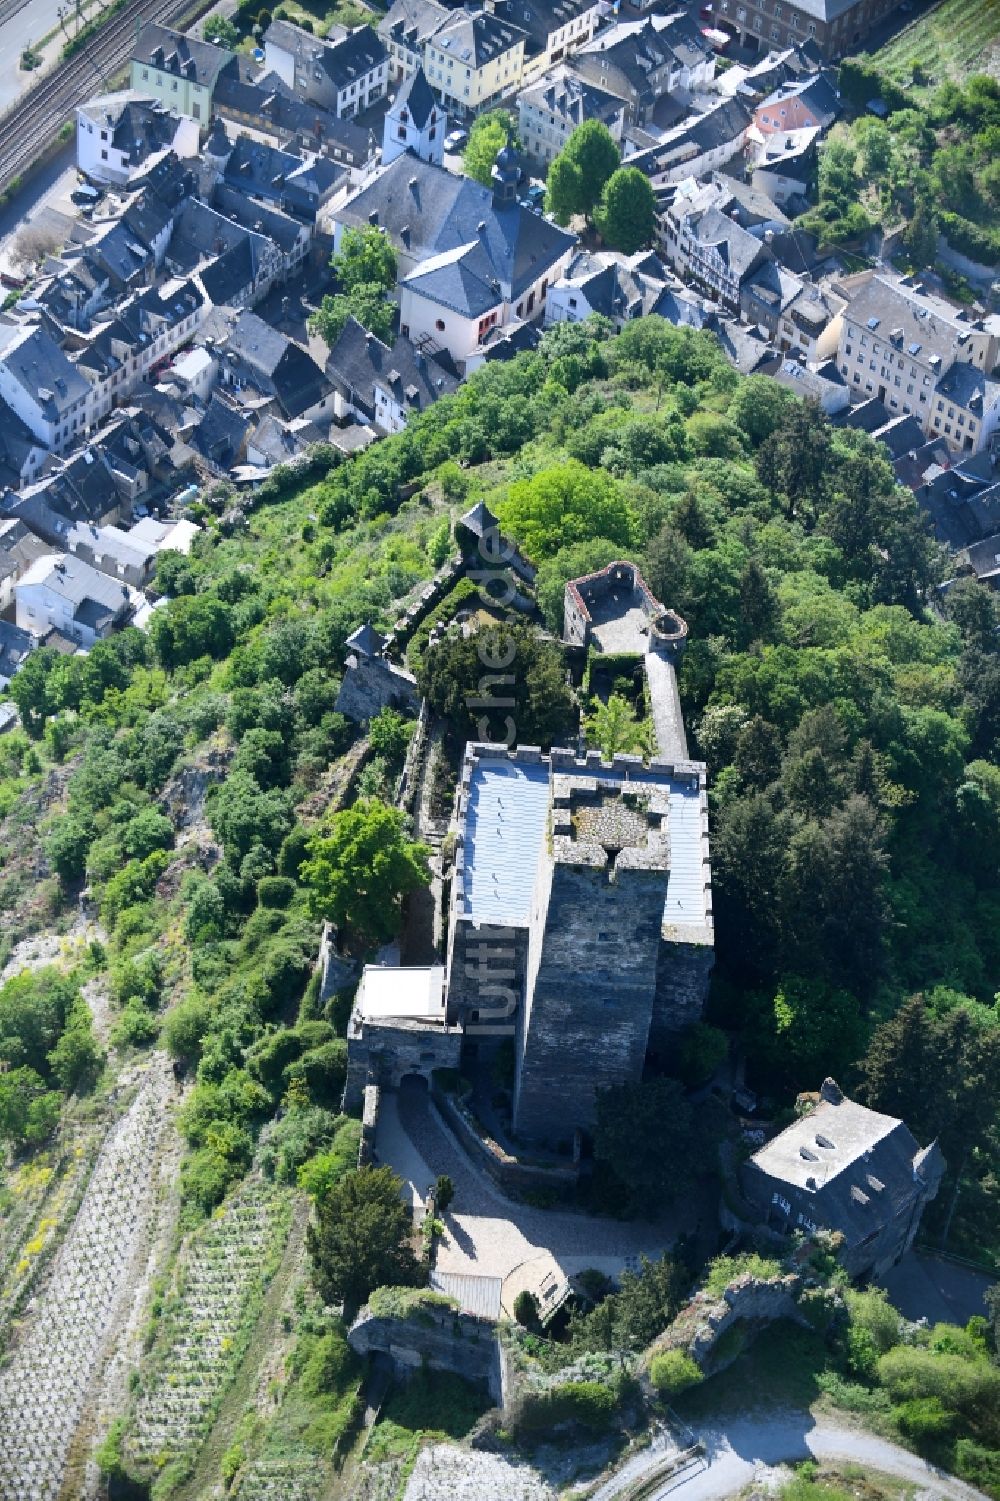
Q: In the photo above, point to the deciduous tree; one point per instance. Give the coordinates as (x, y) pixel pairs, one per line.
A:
(360, 866)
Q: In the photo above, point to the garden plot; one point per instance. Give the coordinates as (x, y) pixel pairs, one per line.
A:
(45, 1385)
(280, 1480)
(220, 1277)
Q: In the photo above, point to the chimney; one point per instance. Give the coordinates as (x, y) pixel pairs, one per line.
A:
(831, 1092)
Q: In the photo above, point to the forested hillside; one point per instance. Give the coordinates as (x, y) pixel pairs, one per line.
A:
(849, 720)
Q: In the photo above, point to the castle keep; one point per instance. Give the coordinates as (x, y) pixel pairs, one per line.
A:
(580, 919)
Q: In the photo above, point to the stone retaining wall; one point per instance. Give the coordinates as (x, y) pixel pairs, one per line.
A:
(507, 1172)
(441, 1338)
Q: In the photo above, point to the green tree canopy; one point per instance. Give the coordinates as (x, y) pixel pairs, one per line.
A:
(360, 866)
(563, 189)
(221, 31)
(565, 504)
(367, 303)
(503, 683)
(647, 1135)
(365, 259)
(626, 213)
(360, 1239)
(489, 134)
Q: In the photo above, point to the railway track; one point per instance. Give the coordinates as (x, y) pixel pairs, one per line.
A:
(32, 122)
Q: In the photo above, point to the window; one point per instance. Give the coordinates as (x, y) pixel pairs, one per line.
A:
(145, 72)
(104, 156)
(439, 325)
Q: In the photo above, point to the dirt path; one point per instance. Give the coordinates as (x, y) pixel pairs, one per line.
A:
(47, 1383)
(741, 1449)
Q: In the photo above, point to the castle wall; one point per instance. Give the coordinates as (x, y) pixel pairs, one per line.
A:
(443, 1339)
(383, 1053)
(683, 972)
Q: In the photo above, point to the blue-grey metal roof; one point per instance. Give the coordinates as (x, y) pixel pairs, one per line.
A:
(505, 826)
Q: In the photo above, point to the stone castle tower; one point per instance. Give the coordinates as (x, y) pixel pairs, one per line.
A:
(593, 948)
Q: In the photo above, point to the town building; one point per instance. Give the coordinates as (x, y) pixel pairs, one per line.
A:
(619, 287)
(642, 62)
(414, 122)
(344, 75)
(19, 548)
(471, 260)
(44, 387)
(371, 682)
(63, 593)
(15, 646)
(901, 344)
(808, 103)
(117, 134)
(179, 70)
(551, 109)
(783, 165)
(842, 1167)
(383, 385)
(405, 29)
(835, 27)
(553, 32)
(473, 58)
(700, 144)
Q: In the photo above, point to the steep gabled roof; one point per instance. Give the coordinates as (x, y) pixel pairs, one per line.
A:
(428, 211)
(415, 95)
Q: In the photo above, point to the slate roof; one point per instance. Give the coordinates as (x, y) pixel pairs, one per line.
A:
(969, 387)
(564, 93)
(19, 547)
(739, 249)
(411, 22)
(275, 366)
(175, 52)
(232, 273)
(35, 361)
(415, 96)
(539, 18)
(641, 47)
(138, 124)
(221, 434)
(615, 285)
(265, 220)
(15, 645)
(95, 596)
(357, 55)
(359, 362)
(817, 90)
(857, 1165)
(926, 321)
(901, 435)
(16, 442)
(366, 640)
(475, 39)
(440, 212)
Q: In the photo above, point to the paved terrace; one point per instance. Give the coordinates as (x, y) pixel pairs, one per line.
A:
(489, 1235)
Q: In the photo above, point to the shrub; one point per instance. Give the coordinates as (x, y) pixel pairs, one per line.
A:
(724, 1271)
(978, 1465)
(275, 891)
(673, 1372)
(526, 1309)
(586, 1403)
(185, 1027)
(925, 1420)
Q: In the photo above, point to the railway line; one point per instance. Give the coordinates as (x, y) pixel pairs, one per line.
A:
(33, 121)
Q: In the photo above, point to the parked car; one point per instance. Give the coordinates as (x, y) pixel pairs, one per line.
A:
(85, 196)
(455, 140)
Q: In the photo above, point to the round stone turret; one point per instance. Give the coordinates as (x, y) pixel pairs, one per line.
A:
(668, 634)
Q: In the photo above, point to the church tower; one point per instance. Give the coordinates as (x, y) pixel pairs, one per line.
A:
(415, 122)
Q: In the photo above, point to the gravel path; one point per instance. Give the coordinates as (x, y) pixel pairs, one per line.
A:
(488, 1234)
(47, 1381)
(740, 1449)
